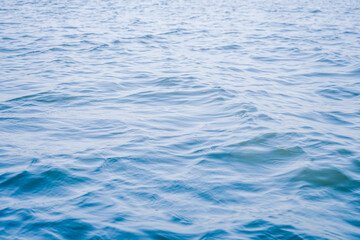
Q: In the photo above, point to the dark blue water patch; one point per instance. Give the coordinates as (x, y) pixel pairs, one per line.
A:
(181, 220)
(66, 229)
(11, 50)
(7, 39)
(49, 183)
(116, 233)
(4, 107)
(8, 23)
(13, 218)
(316, 11)
(162, 235)
(260, 229)
(215, 234)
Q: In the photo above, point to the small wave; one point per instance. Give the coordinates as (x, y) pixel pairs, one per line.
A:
(52, 182)
(66, 229)
(326, 177)
(261, 229)
(338, 93)
(256, 156)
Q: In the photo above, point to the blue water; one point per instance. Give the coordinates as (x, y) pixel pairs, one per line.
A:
(179, 119)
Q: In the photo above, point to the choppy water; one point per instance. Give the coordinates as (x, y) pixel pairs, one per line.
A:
(179, 119)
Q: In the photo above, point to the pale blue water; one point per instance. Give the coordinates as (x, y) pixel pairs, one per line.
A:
(179, 119)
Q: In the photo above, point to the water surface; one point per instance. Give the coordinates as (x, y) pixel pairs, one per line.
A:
(179, 119)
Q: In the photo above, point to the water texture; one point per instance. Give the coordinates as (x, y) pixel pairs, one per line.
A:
(179, 119)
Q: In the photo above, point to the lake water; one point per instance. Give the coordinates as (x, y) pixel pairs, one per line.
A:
(179, 119)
